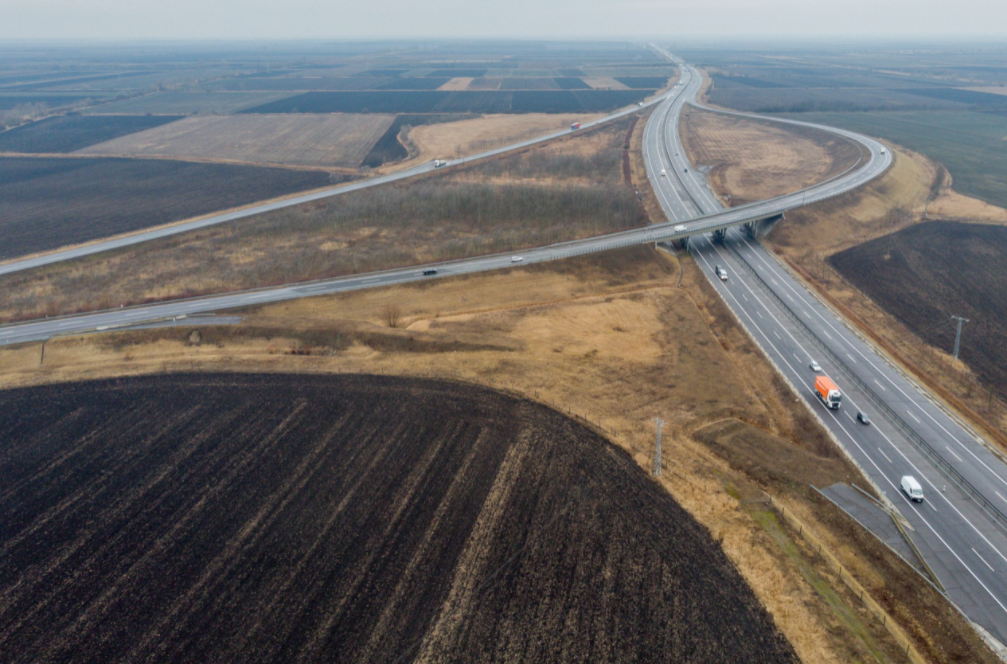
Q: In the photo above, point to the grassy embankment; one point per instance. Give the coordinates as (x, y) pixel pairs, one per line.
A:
(611, 339)
(567, 189)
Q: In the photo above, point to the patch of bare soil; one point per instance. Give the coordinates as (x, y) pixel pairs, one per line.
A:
(750, 160)
(272, 518)
(610, 340)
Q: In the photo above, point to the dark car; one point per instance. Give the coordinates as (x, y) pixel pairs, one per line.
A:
(429, 273)
(862, 418)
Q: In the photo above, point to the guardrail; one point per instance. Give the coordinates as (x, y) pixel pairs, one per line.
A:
(992, 510)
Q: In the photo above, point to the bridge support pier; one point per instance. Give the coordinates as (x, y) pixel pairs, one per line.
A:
(720, 235)
(685, 243)
(752, 228)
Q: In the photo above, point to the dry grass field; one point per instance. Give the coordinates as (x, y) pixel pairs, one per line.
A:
(752, 161)
(458, 139)
(277, 518)
(912, 190)
(609, 338)
(563, 190)
(339, 140)
(457, 83)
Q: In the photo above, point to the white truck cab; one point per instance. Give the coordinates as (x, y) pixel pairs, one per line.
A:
(912, 488)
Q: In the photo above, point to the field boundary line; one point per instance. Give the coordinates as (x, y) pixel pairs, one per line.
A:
(894, 364)
(949, 471)
(992, 643)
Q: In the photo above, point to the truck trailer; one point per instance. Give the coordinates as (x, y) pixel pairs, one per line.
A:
(575, 126)
(828, 392)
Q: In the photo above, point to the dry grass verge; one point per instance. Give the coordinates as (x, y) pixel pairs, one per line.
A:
(752, 160)
(563, 190)
(608, 338)
(914, 188)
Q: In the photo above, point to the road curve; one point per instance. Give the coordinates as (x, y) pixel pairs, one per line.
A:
(961, 527)
(21, 264)
(669, 106)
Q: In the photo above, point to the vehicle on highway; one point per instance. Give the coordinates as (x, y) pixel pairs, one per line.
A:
(639, 104)
(516, 259)
(862, 418)
(429, 273)
(439, 162)
(815, 367)
(574, 126)
(882, 151)
(680, 227)
(663, 173)
(685, 170)
(722, 273)
(828, 392)
(912, 488)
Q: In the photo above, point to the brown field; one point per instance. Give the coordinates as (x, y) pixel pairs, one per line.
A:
(609, 338)
(485, 84)
(604, 83)
(913, 189)
(337, 140)
(752, 161)
(457, 83)
(457, 139)
(563, 190)
(274, 518)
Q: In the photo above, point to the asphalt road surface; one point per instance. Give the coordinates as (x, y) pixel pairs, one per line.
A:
(960, 528)
(957, 528)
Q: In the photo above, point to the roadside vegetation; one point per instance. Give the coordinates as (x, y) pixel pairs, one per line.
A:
(610, 340)
(861, 252)
(564, 190)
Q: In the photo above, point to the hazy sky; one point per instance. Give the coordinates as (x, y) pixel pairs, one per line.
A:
(362, 19)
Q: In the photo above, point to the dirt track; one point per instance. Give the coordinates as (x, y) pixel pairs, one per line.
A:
(218, 517)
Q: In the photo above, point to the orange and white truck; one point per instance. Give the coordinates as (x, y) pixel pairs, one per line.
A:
(828, 392)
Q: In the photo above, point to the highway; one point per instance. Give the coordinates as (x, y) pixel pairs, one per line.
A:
(961, 528)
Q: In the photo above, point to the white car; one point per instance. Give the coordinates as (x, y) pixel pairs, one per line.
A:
(680, 227)
(912, 488)
(722, 273)
(663, 173)
(516, 259)
(815, 367)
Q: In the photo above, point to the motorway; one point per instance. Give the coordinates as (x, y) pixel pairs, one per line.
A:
(959, 529)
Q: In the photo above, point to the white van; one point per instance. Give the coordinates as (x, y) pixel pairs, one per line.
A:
(663, 174)
(912, 488)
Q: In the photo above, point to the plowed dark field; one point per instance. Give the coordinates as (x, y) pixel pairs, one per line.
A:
(47, 203)
(936, 270)
(237, 518)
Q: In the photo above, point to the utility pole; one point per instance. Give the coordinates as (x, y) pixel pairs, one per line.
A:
(657, 449)
(958, 337)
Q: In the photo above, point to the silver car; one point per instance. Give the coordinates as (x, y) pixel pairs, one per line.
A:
(815, 367)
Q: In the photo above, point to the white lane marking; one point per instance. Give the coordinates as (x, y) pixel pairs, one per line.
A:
(759, 313)
(998, 494)
(885, 456)
(886, 478)
(851, 358)
(832, 413)
(777, 335)
(827, 334)
(953, 453)
(913, 416)
(982, 559)
(745, 297)
(884, 374)
(880, 385)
